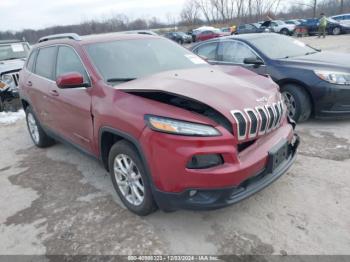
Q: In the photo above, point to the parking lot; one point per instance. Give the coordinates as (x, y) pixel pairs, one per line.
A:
(58, 201)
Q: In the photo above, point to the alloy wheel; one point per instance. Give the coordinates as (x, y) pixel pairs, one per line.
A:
(33, 128)
(290, 103)
(129, 179)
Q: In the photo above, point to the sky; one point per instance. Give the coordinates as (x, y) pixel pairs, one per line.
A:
(36, 14)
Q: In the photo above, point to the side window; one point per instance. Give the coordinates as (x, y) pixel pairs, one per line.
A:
(242, 27)
(207, 50)
(234, 52)
(68, 62)
(249, 27)
(347, 17)
(31, 59)
(45, 62)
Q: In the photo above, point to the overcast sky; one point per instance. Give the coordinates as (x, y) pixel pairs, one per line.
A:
(36, 14)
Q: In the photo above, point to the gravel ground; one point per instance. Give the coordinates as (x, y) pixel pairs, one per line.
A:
(58, 201)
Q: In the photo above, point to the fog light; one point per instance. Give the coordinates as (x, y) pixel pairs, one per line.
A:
(193, 193)
(205, 161)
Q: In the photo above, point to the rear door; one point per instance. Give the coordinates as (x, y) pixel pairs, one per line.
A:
(40, 82)
(72, 106)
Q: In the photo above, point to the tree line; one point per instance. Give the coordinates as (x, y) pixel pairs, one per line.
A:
(196, 13)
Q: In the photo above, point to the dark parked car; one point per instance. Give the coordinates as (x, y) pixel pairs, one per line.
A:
(312, 81)
(209, 34)
(173, 131)
(251, 28)
(13, 54)
(333, 27)
(179, 37)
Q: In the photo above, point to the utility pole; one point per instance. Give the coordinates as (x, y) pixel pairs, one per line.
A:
(314, 7)
(341, 6)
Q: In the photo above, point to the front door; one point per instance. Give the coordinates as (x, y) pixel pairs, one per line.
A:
(234, 52)
(71, 107)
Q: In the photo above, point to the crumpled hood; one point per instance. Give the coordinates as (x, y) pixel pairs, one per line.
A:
(11, 65)
(222, 88)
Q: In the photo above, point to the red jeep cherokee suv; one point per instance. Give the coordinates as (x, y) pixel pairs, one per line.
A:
(173, 131)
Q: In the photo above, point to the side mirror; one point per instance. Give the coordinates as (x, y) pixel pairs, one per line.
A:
(253, 61)
(71, 80)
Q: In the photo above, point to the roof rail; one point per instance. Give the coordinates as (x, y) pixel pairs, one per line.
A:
(72, 36)
(10, 41)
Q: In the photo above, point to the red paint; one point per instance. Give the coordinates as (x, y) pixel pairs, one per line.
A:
(79, 114)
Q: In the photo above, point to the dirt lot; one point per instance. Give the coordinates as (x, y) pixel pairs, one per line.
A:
(58, 201)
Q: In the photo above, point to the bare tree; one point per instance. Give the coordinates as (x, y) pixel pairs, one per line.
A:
(190, 12)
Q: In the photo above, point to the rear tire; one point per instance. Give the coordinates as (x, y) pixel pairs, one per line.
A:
(297, 101)
(130, 180)
(36, 132)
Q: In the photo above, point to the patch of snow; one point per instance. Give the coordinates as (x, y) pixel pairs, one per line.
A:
(8, 118)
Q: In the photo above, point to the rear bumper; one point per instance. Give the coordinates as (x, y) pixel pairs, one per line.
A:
(206, 199)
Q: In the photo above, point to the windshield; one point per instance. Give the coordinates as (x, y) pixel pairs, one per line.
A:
(13, 51)
(125, 60)
(278, 46)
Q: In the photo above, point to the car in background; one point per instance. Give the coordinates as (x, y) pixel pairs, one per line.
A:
(333, 27)
(278, 26)
(226, 31)
(13, 54)
(343, 19)
(313, 82)
(173, 131)
(251, 28)
(294, 22)
(199, 30)
(209, 34)
(179, 37)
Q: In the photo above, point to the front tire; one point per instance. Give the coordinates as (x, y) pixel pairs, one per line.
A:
(2, 107)
(285, 31)
(37, 134)
(297, 101)
(336, 31)
(130, 180)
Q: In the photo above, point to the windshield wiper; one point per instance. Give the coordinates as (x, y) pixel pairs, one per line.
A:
(13, 58)
(119, 80)
(310, 53)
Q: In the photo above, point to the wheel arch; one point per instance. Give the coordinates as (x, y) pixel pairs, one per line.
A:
(284, 82)
(24, 103)
(109, 136)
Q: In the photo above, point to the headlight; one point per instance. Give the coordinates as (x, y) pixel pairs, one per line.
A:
(339, 78)
(8, 80)
(3, 86)
(179, 127)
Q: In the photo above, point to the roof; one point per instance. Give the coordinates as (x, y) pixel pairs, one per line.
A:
(250, 36)
(97, 38)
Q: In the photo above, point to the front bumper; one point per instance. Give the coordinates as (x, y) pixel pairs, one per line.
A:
(206, 199)
(333, 101)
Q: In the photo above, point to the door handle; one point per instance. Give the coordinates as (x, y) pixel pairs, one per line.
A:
(54, 93)
(29, 83)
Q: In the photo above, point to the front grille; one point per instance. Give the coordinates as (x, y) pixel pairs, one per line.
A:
(15, 77)
(261, 120)
(241, 123)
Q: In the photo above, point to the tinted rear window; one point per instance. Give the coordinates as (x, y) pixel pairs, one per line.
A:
(45, 62)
